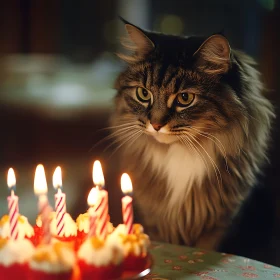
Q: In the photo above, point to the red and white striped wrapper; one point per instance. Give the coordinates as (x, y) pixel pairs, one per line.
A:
(45, 211)
(127, 211)
(102, 214)
(92, 222)
(60, 210)
(13, 216)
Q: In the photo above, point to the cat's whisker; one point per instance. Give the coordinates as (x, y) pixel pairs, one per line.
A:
(113, 135)
(193, 147)
(119, 126)
(119, 139)
(215, 167)
(120, 136)
(211, 135)
(215, 140)
(134, 136)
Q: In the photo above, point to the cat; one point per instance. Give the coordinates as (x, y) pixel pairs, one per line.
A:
(193, 127)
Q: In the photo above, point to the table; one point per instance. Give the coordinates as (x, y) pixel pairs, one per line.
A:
(172, 262)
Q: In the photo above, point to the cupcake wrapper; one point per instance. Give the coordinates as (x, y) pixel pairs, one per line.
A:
(135, 263)
(90, 272)
(41, 275)
(14, 272)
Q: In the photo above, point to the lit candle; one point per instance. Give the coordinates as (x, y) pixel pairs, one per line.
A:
(127, 209)
(92, 199)
(60, 202)
(102, 203)
(13, 205)
(41, 190)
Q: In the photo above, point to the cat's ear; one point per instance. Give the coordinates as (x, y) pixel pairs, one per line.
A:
(213, 56)
(138, 37)
(137, 41)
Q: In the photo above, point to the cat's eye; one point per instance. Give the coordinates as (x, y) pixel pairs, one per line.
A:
(143, 95)
(184, 99)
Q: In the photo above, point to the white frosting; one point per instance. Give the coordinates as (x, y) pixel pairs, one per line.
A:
(51, 259)
(24, 228)
(15, 251)
(83, 223)
(138, 248)
(138, 243)
(110, 253)
(70, 227)
(120, 229)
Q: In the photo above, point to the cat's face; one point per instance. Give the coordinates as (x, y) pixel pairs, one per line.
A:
(174, 90)
(181, 101)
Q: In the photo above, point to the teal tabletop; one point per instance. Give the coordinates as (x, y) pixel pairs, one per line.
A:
(179, 262)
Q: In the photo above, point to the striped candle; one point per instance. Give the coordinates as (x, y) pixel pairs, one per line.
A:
(102, 202)
(13, 205)
(45, 212)
(41, 190)
(127, 212)
(92, 199)
(127, 209)
(60, 202)
(60, 210)
(102, 214)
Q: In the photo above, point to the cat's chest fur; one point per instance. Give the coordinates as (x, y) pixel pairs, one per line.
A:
(182, 167)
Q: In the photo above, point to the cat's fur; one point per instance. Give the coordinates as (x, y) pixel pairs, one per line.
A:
(191, 176)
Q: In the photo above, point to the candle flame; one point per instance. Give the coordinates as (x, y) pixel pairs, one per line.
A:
(11, 181)
(57, 178)
(97, 174)
(126, 183)
(92, 197)
(40, 182)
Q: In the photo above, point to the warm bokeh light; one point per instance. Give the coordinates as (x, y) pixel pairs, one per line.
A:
(57, 178)
(40, 182)
(11, 181)
(126, 183)
(92, 197)
(172, 24)
(97, 174)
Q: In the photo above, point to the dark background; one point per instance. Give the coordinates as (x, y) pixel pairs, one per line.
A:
(57, 68)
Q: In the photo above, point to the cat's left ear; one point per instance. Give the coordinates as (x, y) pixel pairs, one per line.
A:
(138, 42)
(139, 38)
(213, 56)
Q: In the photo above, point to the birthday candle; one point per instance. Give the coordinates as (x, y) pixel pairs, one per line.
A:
(102, 203)
(127, 209)
(92, 199)
(13, 205)
(41, 190)
(60, 202)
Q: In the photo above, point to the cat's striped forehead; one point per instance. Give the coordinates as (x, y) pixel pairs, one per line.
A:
(164, 78)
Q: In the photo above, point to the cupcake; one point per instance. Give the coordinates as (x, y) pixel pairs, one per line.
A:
(135, 247)
(25, 230)
(69, 232)
(14, 257)
(52, 262)
(83, 227)
(99, 259)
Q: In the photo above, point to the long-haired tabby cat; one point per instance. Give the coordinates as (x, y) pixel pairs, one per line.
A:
(194, 126)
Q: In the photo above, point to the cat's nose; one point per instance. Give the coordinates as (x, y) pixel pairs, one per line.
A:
(157, 126)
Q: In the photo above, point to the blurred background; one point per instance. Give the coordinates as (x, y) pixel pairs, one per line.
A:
(57, 71)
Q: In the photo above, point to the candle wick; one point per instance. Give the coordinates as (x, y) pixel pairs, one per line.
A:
(100, 187)
(12, 193)
(59, 190)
